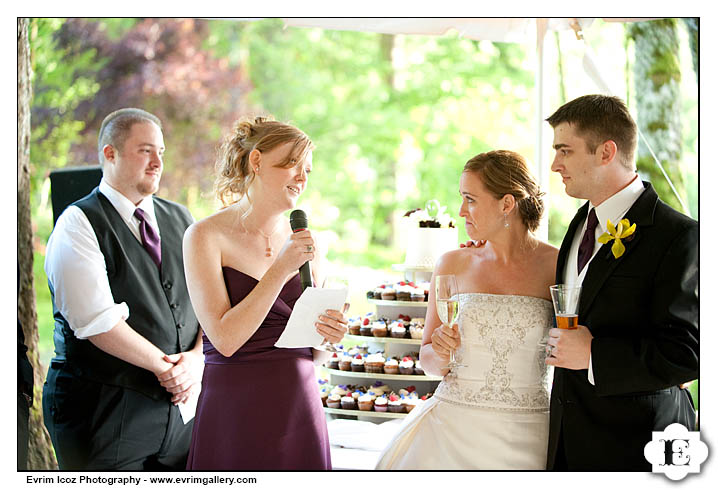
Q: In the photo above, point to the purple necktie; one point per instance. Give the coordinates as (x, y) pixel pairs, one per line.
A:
(150, 238)
(585, 250)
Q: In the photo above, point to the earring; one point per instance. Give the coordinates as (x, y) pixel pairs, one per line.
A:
(506, 223)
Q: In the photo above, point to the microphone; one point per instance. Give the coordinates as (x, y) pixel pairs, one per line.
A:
(298, 222)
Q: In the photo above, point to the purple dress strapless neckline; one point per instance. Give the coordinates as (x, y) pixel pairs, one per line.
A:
(259, 409)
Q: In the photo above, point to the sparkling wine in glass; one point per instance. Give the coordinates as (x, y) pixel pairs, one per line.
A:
(447, 307)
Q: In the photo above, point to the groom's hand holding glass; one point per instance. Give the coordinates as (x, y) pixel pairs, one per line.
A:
(570, 344)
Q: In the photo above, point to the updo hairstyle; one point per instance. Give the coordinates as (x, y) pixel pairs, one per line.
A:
(505, 172)
(234, 172)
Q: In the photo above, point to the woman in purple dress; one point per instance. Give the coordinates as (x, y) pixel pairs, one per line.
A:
(259, 408)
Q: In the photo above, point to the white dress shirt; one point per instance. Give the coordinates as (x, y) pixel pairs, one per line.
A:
(614, 208)
(76, 268)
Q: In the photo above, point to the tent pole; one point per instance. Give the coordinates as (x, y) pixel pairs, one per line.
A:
(542, 170)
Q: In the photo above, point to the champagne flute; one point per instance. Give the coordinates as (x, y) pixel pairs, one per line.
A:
(447, 307)
(335, 282)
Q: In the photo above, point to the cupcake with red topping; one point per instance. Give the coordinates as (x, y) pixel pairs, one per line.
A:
(358, 364)
(398, 330)
(395, 405)
(403, 291)
(406, 366)
(333, 362)
(365, 328)
(381, 404)
(348, 402)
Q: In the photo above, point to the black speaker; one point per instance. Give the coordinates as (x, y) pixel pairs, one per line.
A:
(67, 185)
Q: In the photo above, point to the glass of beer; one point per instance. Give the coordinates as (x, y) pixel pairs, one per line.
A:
(447, 306)
(565, 304)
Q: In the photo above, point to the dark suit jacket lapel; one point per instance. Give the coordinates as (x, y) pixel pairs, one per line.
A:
(604, 263)
(579, 218)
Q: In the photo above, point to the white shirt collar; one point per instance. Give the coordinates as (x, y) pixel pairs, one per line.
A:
(125, 207)
(616, 206)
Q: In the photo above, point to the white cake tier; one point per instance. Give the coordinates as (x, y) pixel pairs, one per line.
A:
(426, 245)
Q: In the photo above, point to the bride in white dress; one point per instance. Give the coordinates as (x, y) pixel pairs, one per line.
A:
(491, 414)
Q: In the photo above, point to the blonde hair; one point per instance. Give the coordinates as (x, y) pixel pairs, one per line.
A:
(505, 172)
(234, 173)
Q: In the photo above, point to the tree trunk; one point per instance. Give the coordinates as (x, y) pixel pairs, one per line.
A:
(41, 455)
(692, 24)
(657, 76)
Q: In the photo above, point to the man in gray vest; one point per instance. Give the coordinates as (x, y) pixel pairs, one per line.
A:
(128, 348)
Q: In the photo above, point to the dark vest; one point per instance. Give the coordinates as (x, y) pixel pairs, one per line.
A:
(159, 304)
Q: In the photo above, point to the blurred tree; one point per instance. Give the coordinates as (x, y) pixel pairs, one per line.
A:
(657, 78)
(156, 64)
(40, 452)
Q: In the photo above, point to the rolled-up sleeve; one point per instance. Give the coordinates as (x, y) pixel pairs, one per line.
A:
(76, 269)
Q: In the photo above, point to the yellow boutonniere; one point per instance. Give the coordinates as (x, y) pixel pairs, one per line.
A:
(616, 233)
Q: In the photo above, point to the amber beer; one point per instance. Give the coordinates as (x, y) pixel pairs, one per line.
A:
(569, 322)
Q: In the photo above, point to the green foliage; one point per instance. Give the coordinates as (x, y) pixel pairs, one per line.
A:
(60, 84)
(390, 133)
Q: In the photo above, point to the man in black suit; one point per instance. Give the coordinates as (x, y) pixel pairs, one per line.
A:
(617, 376)
(128, 347)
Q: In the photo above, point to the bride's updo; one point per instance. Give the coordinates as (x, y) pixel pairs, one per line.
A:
(505, 172)
(234, 173)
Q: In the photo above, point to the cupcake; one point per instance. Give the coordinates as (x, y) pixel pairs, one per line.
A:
(324, 394)
(406, 366)
(380, 388)
(395, 404)
(358, 364)
(354, 326)
(409, 403)
(398, 330)
(403, 292)
(381, 404)
(348, 403)
(388, 294)
(365, 328)
(366, 403)
(334, 401)
(356, 394)
(345, 363)
(378, 329)
(416, 331)
(378, 291)
(333, 362)
(391, 366)
(374, 363)
(418, 369)
(417, 295)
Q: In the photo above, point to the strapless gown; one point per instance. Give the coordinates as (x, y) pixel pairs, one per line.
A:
(492, 414)
(260, 408)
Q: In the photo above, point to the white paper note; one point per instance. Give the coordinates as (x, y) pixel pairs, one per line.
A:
(300, 330)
